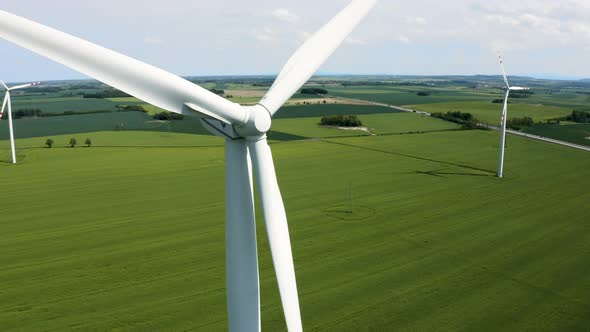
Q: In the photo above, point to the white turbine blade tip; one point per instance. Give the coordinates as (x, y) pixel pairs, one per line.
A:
(501, 60)
(314, 52)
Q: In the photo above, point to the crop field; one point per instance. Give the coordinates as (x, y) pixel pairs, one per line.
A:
(408, 96)
(60, 105)
(566, 99)
(129, 238)
(128, 234)
(381, 124)
(139, 121)
(491, 113)
(61, 125)
(575, 133)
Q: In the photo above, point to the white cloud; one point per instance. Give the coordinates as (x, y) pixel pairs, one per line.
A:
(534, 34)
(265, 34)
(302, 37)
(151, 40)
(404, 39)
(285, 15)
(416, 20)
(355, 41)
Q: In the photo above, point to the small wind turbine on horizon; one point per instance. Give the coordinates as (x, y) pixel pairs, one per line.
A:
(248, 157)
(8, 102)
(509, 88)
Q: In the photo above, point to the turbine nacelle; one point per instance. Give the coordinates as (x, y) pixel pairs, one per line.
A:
(257, 122)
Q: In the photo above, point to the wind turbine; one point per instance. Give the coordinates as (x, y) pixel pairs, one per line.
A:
(505, 116)
(8, 101)
(246, 148)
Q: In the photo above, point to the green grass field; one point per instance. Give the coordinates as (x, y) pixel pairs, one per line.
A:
(400, 96)
(128, 235)
(60, 105)
(132, 239)
(491, 113)
(576, 133)
(139, 121)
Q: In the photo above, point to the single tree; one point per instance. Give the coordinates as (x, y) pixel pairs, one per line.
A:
(49, 143)
(88, 142)
(73, 142)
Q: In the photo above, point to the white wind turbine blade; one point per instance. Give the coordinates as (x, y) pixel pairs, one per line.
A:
(277, 228)
(503, 71)
(134, 77)
(23, 86)
(500, 172)
(243, 290)
(4, 104)
(314, 52)
(12, 148)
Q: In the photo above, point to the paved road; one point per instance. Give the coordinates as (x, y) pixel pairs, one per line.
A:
(513, 132)
(541, 138)
(399, 108)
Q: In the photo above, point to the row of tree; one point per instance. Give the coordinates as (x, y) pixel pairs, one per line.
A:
(341, 121)
(108, 93)
(466, 119)
(132, 108)
(217, 91)
(38, 113)
(579, 116)
(72, 143)
(314, 91)
(167, 116)
(520, 123)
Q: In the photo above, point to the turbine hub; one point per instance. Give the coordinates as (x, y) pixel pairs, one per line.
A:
(257, 123)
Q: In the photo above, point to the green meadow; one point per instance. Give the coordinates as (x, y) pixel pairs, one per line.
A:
(578, 133)
(123, 237)
(128, 234)
(399, 96)
(64, 104)
(491, 113)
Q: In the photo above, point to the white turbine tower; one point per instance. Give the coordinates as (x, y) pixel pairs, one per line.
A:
(246, 149)
(8, 102)
(505, 116)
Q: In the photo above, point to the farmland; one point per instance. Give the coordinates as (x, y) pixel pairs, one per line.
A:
(488, 112)
(111, 237)
(128, 234)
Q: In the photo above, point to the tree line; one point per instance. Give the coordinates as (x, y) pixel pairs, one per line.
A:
(467, 120)
(314, 91)
(341, 121)
(38, 113)
(167, 116)
(109, 93)
(579, 117)
(519, 123)
(72, 142)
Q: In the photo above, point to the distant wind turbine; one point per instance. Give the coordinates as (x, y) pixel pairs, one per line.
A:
(8, 101)
(246, 149)
(504, 116)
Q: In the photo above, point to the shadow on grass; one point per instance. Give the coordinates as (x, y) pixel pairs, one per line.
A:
(417, 158)
(280, 136)
(440, 174)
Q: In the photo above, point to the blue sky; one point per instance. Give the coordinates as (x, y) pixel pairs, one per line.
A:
(205, 37)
